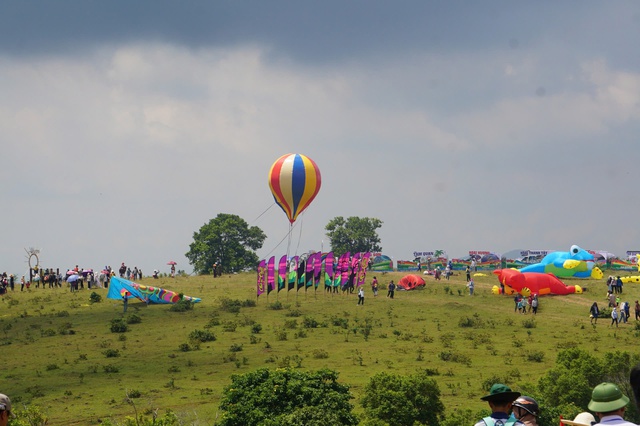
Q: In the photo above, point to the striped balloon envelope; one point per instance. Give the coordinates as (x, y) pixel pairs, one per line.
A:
(294, 180)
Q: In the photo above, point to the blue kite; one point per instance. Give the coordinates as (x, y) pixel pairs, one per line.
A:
(119, 287)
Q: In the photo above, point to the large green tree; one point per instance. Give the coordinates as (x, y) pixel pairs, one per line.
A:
(399, 400)
(356, 234)
(286, 397)
(228, 241)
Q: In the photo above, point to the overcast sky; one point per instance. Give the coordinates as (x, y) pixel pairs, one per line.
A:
(462, 125)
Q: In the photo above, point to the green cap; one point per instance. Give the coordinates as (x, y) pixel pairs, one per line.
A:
(607, 397)
(500, 392)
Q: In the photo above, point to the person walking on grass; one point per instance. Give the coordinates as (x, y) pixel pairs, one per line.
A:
(534, 304)
(374, 286)
(391, 290)
(594, 313)
(361, 296)
(614, 317)
(471, 285)
(637, 310)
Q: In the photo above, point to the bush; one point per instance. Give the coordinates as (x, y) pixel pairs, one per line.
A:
(230, 305)
(309, 322)
(111, 353)
(419, 394)
(134, 319)
(201, 336)
(110, 368)
(320, 354)
(182, 305)
(535, 356)
(313, 398)
(95, 298)
(118, 326)
(275, 306)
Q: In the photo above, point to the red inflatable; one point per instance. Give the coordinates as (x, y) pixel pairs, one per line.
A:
(527, 283)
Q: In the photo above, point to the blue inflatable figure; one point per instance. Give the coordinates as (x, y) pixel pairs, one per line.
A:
(576, 263)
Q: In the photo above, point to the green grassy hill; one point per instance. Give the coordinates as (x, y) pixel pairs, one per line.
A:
(59, 352)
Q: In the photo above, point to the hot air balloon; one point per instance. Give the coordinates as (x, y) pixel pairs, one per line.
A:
(294, 180)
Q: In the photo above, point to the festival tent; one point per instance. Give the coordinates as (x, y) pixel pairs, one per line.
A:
(410, 282)
(118, 286)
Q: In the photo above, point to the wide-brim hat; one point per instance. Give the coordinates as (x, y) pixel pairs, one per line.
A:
(607, 397)
(582, 419)
(500, 392)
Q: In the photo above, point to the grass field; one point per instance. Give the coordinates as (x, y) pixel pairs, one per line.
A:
(59, 353)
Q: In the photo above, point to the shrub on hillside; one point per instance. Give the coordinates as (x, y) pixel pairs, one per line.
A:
(95, 298)
(134, 319)
(182, 305)
(118, 326)
(201, 336)
(314, 398)
(419, 394)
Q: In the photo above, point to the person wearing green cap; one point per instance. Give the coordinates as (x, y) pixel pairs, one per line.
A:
(500, 400)
(609, 404)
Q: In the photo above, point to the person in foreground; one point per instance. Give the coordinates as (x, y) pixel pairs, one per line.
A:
(582, 419)
(526, 410)
(609, 404)
(5, 409)
(500, 400)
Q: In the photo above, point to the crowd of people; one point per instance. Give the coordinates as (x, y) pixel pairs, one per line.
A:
(75, 278)
(608, 403)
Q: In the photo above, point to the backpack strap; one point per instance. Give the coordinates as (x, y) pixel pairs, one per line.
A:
(490, 422)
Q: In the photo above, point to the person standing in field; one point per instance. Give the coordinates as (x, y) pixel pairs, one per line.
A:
(468, 271)
(361, 296)
(374, 286)
(636, 309)
(614, 316)
(534, 304)
(471, 285)
(391, 290)
(594, 313)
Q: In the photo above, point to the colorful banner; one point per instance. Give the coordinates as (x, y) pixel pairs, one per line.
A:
(362, 273)
(271, 274)
(328, 270)
(262, 275)
(293, 273)
(283, 268)
(317, 269)
(344, 268)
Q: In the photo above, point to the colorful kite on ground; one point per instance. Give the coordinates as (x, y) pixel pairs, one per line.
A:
(148, 294)
(576, 263)
(528, 283)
